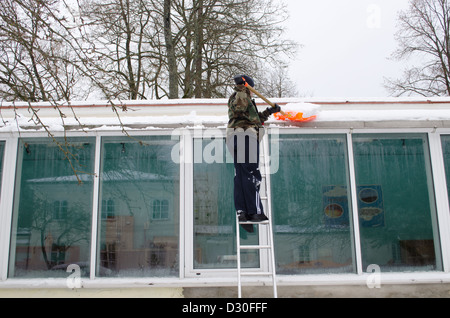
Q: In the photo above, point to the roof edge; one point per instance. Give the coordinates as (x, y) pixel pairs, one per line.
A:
(221, 102)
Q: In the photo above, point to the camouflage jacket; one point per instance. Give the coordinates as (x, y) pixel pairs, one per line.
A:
(242, 110)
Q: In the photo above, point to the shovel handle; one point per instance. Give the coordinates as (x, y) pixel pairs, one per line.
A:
(261, 96)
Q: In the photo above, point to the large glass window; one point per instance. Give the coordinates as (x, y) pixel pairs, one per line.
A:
(139, 208)
(311, 205)
(52, 207)
(214, 212)
(397, 213)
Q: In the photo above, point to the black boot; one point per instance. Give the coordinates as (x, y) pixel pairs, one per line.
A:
(244, 217)
(257, 217)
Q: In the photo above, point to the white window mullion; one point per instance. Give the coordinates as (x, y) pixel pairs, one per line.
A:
(182, 218)
(441, 195)
(6, 202)
(95, 205)
(187, 214)
(355, 213)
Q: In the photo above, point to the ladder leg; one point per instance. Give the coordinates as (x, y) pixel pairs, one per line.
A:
(238, 252)
(272, 257)
(266, 165)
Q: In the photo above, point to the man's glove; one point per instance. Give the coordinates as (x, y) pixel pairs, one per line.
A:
(273, 110)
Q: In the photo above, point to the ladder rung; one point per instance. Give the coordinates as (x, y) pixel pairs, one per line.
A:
(250, 222)
(254, 247)
(256, 274)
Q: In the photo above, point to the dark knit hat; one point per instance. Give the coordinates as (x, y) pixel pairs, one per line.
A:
(239, 80)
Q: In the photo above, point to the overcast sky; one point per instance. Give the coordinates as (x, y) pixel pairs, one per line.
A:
(346, 46)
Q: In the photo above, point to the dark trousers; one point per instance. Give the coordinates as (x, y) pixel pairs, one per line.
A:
(247, 179)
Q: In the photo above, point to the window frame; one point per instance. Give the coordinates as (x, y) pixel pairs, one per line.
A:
(353, 213)
(190, 135)
(441, 194)
(216, 277)
(431, 187)
(6, 200)
(38, 138)
(439, 188)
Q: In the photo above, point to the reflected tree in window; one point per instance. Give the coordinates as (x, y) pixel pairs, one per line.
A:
(52, 209)
(141, 237)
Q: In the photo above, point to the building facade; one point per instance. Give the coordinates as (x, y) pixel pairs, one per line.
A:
(139, 195)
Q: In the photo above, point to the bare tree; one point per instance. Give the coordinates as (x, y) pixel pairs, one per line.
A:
(221, 38)
(199, 15)
(124, 56)
(59, 50)
(35, 56)
(170, 49)
(276, 83)
(424, 32)
(43, 58)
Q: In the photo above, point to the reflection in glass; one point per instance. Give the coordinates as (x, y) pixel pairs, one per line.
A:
(52, 209)
(397, 213)
(139, 208)
(312, 206)
(214, 212)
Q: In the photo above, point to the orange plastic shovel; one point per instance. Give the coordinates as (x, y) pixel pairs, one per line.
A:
(288, 115)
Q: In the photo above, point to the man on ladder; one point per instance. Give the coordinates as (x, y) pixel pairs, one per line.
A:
(245, 131)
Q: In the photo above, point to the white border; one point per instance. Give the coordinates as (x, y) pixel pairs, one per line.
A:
(441, 194)
(95, 204)
(6, 202)
(354, 206)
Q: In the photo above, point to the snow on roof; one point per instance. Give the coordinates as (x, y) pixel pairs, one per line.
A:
(107, 115)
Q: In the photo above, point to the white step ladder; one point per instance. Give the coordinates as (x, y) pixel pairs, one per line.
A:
(265, 229)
